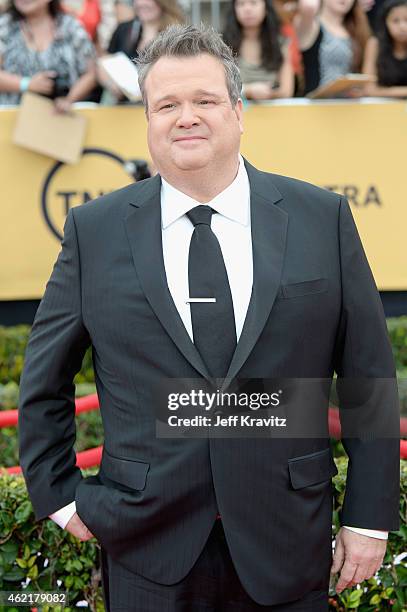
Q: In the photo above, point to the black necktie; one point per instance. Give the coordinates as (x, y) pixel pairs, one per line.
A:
(213, 323)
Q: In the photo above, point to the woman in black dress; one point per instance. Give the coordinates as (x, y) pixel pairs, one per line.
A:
(386, 54)
(130, 37)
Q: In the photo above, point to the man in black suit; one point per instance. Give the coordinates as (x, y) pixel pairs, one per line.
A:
(210, 270)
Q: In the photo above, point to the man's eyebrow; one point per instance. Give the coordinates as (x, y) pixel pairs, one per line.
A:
(204, 92)
(198, 92)
(167, 97)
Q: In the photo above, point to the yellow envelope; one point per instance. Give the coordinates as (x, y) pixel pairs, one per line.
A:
(40, 129)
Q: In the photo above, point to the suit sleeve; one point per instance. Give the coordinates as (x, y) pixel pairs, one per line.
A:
(54, 354)
(367, 391)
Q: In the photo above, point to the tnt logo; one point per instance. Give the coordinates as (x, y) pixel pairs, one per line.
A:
(100, 171)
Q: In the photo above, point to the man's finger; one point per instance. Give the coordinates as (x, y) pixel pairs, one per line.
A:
(346, 576)
(77, 528)
(373, 567)
(360, 574)
(86, 535)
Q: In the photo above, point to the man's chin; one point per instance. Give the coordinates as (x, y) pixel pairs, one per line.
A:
(190, 155)
(190, 162)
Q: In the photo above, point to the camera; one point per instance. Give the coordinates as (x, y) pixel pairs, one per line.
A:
(138, 169)
(61, 88)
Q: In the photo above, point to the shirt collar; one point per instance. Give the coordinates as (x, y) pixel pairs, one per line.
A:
(232, 202)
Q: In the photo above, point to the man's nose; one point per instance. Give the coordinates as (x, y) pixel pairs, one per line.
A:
(187, 116)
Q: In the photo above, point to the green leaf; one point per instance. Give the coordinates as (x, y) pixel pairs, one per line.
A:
(354, 598)
(78, 582)
(401, 572)
(68, 581)
(401, 595)
(14, 575)
(9, 551)
(23, 512)
(77, 565)
(33, 572)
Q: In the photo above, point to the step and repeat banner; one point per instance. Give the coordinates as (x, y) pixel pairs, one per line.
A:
(354, 148)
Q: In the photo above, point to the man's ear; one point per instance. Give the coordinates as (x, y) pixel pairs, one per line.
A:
(239, 113)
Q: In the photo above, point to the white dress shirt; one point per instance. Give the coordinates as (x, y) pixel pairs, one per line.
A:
(233, 230)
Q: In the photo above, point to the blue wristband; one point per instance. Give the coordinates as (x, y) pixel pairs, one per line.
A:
(24, 83)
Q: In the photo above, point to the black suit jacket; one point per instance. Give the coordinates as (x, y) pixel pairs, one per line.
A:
(154, 501)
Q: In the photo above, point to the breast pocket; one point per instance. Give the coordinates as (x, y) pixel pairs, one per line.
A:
(312, 469)
(308, 287)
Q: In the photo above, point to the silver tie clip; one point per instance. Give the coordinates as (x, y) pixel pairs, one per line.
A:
(189, 300)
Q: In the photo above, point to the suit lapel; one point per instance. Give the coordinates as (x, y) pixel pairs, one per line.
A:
(269, 229)
(143, 227)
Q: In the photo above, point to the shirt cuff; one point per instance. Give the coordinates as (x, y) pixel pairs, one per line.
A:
(372, 533)
(63, 515)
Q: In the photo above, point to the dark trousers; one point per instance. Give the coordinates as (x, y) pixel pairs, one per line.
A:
(212, 585)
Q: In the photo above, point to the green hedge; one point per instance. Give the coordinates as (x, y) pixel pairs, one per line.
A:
(25, 545)
(89, 434)
(43, 552)
(13, 341)
(398, 335)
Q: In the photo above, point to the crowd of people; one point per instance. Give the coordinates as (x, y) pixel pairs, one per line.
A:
(284, 48)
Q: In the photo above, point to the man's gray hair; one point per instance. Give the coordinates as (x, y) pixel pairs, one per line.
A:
(188, 41)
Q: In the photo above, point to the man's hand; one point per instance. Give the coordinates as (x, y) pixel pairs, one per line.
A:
(78, 528)
(357, 556)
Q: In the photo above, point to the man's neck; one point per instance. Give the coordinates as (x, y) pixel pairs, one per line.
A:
(203, 186)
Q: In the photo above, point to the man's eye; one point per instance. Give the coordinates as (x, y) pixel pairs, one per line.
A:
(205, 101)
(166, 106)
